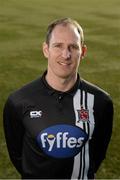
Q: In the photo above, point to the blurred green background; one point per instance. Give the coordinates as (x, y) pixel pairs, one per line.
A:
(22, 29)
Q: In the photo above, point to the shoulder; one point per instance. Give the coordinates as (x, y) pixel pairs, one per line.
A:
(96, 91)
(25, 92)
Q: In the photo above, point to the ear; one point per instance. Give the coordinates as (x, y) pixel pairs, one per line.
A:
(45, 49)
(84, 51)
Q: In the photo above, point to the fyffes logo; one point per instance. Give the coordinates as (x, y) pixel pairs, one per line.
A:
(62, 141)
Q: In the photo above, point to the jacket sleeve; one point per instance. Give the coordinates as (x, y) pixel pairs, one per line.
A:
(14, 132)
(103, 132)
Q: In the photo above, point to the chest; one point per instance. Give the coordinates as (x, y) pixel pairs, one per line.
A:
(59, 125)
(46, 111)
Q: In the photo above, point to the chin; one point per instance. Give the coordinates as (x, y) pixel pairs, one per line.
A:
(64, 75)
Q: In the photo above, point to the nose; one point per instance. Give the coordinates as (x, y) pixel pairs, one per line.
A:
(66, 54)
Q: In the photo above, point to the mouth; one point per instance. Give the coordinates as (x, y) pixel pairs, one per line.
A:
(64, 64)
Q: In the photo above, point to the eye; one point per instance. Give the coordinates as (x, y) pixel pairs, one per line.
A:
(58, 45)
(74, 47)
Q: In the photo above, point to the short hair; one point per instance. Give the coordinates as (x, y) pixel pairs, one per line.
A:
(64, 22)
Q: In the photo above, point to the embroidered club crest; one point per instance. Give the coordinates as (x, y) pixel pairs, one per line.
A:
(83, 115)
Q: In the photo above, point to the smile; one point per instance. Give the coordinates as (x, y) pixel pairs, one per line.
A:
(64, 64)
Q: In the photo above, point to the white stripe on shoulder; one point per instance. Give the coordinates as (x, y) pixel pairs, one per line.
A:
(90, 105)
(76, 164)
(81, 163)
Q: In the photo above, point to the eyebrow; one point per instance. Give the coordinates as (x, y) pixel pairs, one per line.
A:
(73, 44)
(57, 43)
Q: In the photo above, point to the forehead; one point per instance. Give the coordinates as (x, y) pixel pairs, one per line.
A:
(65, 33)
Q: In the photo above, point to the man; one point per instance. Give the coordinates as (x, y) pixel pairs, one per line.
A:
(59, 126)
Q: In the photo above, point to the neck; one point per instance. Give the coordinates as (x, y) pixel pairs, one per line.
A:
(59, 83)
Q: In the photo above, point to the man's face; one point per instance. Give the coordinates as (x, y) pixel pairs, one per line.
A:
(64, 51)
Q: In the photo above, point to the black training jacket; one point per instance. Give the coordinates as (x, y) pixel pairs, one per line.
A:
(58, 135)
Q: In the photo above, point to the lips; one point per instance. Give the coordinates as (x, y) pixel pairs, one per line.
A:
(64, 64)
